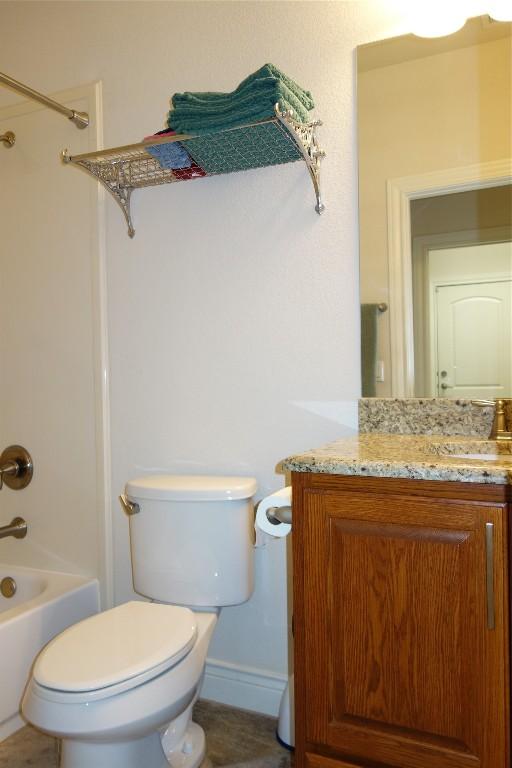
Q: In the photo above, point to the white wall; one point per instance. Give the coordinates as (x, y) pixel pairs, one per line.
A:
(234, 313)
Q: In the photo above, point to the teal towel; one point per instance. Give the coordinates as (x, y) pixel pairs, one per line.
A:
(207, 124)
(260, 90)
(253, 100)
(265, 72)
(227, 151)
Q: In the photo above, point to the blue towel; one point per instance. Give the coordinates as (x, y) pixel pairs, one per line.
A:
(171, 155)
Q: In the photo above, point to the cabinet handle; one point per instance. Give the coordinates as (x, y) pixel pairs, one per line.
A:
(489, 551)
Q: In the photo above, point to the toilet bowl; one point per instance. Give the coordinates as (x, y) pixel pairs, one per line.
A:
(108, 706)
(118, 688)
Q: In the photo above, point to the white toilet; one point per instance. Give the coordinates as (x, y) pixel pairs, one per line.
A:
(118, 688)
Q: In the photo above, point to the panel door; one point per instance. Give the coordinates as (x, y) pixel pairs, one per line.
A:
(474, 340)
(402, 663)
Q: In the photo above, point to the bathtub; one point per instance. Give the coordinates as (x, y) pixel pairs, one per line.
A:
(43, 605)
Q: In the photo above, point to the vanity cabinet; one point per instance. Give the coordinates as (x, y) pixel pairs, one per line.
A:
(401, 621)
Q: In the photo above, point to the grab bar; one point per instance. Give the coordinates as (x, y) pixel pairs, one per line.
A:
(17, 528)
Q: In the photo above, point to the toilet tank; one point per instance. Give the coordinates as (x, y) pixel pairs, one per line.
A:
(192, 538)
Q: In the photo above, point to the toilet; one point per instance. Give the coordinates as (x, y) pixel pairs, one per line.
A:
(118, 688)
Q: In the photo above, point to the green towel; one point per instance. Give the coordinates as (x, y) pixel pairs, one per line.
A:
(227, 151)
(208, 123)
(259, 90)
(266, 71)
(253, 100)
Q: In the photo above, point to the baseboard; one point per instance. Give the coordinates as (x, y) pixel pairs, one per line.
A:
(258, 690)
(10, 726)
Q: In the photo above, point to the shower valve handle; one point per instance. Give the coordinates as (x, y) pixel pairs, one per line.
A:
(16, 468)
(9, 468)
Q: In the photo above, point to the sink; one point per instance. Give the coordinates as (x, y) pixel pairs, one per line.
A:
(482, 456)
(474, 450)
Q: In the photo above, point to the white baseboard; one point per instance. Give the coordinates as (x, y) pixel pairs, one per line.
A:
(258, 690)
(10, 726)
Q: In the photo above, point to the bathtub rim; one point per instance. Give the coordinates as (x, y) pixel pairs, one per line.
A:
(57, 584)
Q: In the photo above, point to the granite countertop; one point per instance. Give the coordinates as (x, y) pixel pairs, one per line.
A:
(417, 457)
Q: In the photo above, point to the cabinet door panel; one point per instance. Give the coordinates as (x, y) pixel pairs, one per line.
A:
(397, 647)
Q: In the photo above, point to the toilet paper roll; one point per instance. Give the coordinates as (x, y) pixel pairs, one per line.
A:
(265, 529)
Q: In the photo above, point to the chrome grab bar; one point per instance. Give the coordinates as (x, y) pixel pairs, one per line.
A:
(17, 528)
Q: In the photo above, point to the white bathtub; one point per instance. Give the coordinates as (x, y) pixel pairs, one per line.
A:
(44, 604)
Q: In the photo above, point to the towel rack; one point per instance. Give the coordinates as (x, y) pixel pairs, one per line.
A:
(274, 141)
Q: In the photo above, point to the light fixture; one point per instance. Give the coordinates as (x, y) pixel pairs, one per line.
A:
(500, 10)
(437, 19)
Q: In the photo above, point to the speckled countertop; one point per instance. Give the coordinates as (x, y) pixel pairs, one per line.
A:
(418, 457)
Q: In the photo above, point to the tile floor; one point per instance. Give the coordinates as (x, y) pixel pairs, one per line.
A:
(233, 737)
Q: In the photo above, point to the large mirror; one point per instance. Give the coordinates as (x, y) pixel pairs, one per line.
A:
(435, 203)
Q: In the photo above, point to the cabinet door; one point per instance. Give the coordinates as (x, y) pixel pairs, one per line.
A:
(402, 658)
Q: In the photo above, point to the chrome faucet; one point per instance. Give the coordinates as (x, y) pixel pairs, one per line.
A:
(502, 424)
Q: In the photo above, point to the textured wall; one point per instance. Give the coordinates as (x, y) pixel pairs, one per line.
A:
(234, 313)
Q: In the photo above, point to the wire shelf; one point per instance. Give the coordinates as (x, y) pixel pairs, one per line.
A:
(275, 141)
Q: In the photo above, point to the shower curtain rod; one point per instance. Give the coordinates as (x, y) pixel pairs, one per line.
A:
(80, 119)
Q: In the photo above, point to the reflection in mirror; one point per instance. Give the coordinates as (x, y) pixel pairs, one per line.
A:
(435, 192)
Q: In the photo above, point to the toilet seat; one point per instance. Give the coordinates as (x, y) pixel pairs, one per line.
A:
(114, 651)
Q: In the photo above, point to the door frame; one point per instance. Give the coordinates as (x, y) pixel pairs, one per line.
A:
(400, 192)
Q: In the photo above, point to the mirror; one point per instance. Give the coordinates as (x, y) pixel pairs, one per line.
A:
(435, 212)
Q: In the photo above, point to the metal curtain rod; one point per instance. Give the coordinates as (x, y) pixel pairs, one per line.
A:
(80, 119)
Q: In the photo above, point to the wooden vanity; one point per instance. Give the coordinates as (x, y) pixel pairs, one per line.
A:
(401, 610)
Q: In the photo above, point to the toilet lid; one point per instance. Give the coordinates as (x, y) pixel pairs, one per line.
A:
(116, 645)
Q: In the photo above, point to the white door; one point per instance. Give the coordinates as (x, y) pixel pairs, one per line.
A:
(474, 340)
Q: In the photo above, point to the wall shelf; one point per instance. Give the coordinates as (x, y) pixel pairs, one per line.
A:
(274, 141)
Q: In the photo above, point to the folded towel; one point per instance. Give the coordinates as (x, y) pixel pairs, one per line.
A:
(159, 134)
(265, 91)
(194, 172)
(264, 73)
(253, 100)
(171, 155)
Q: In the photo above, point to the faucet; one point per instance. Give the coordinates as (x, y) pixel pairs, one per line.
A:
(502, 424)
(17, 528)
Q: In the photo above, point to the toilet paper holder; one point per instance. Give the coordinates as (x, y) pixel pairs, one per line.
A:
(277, 515)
